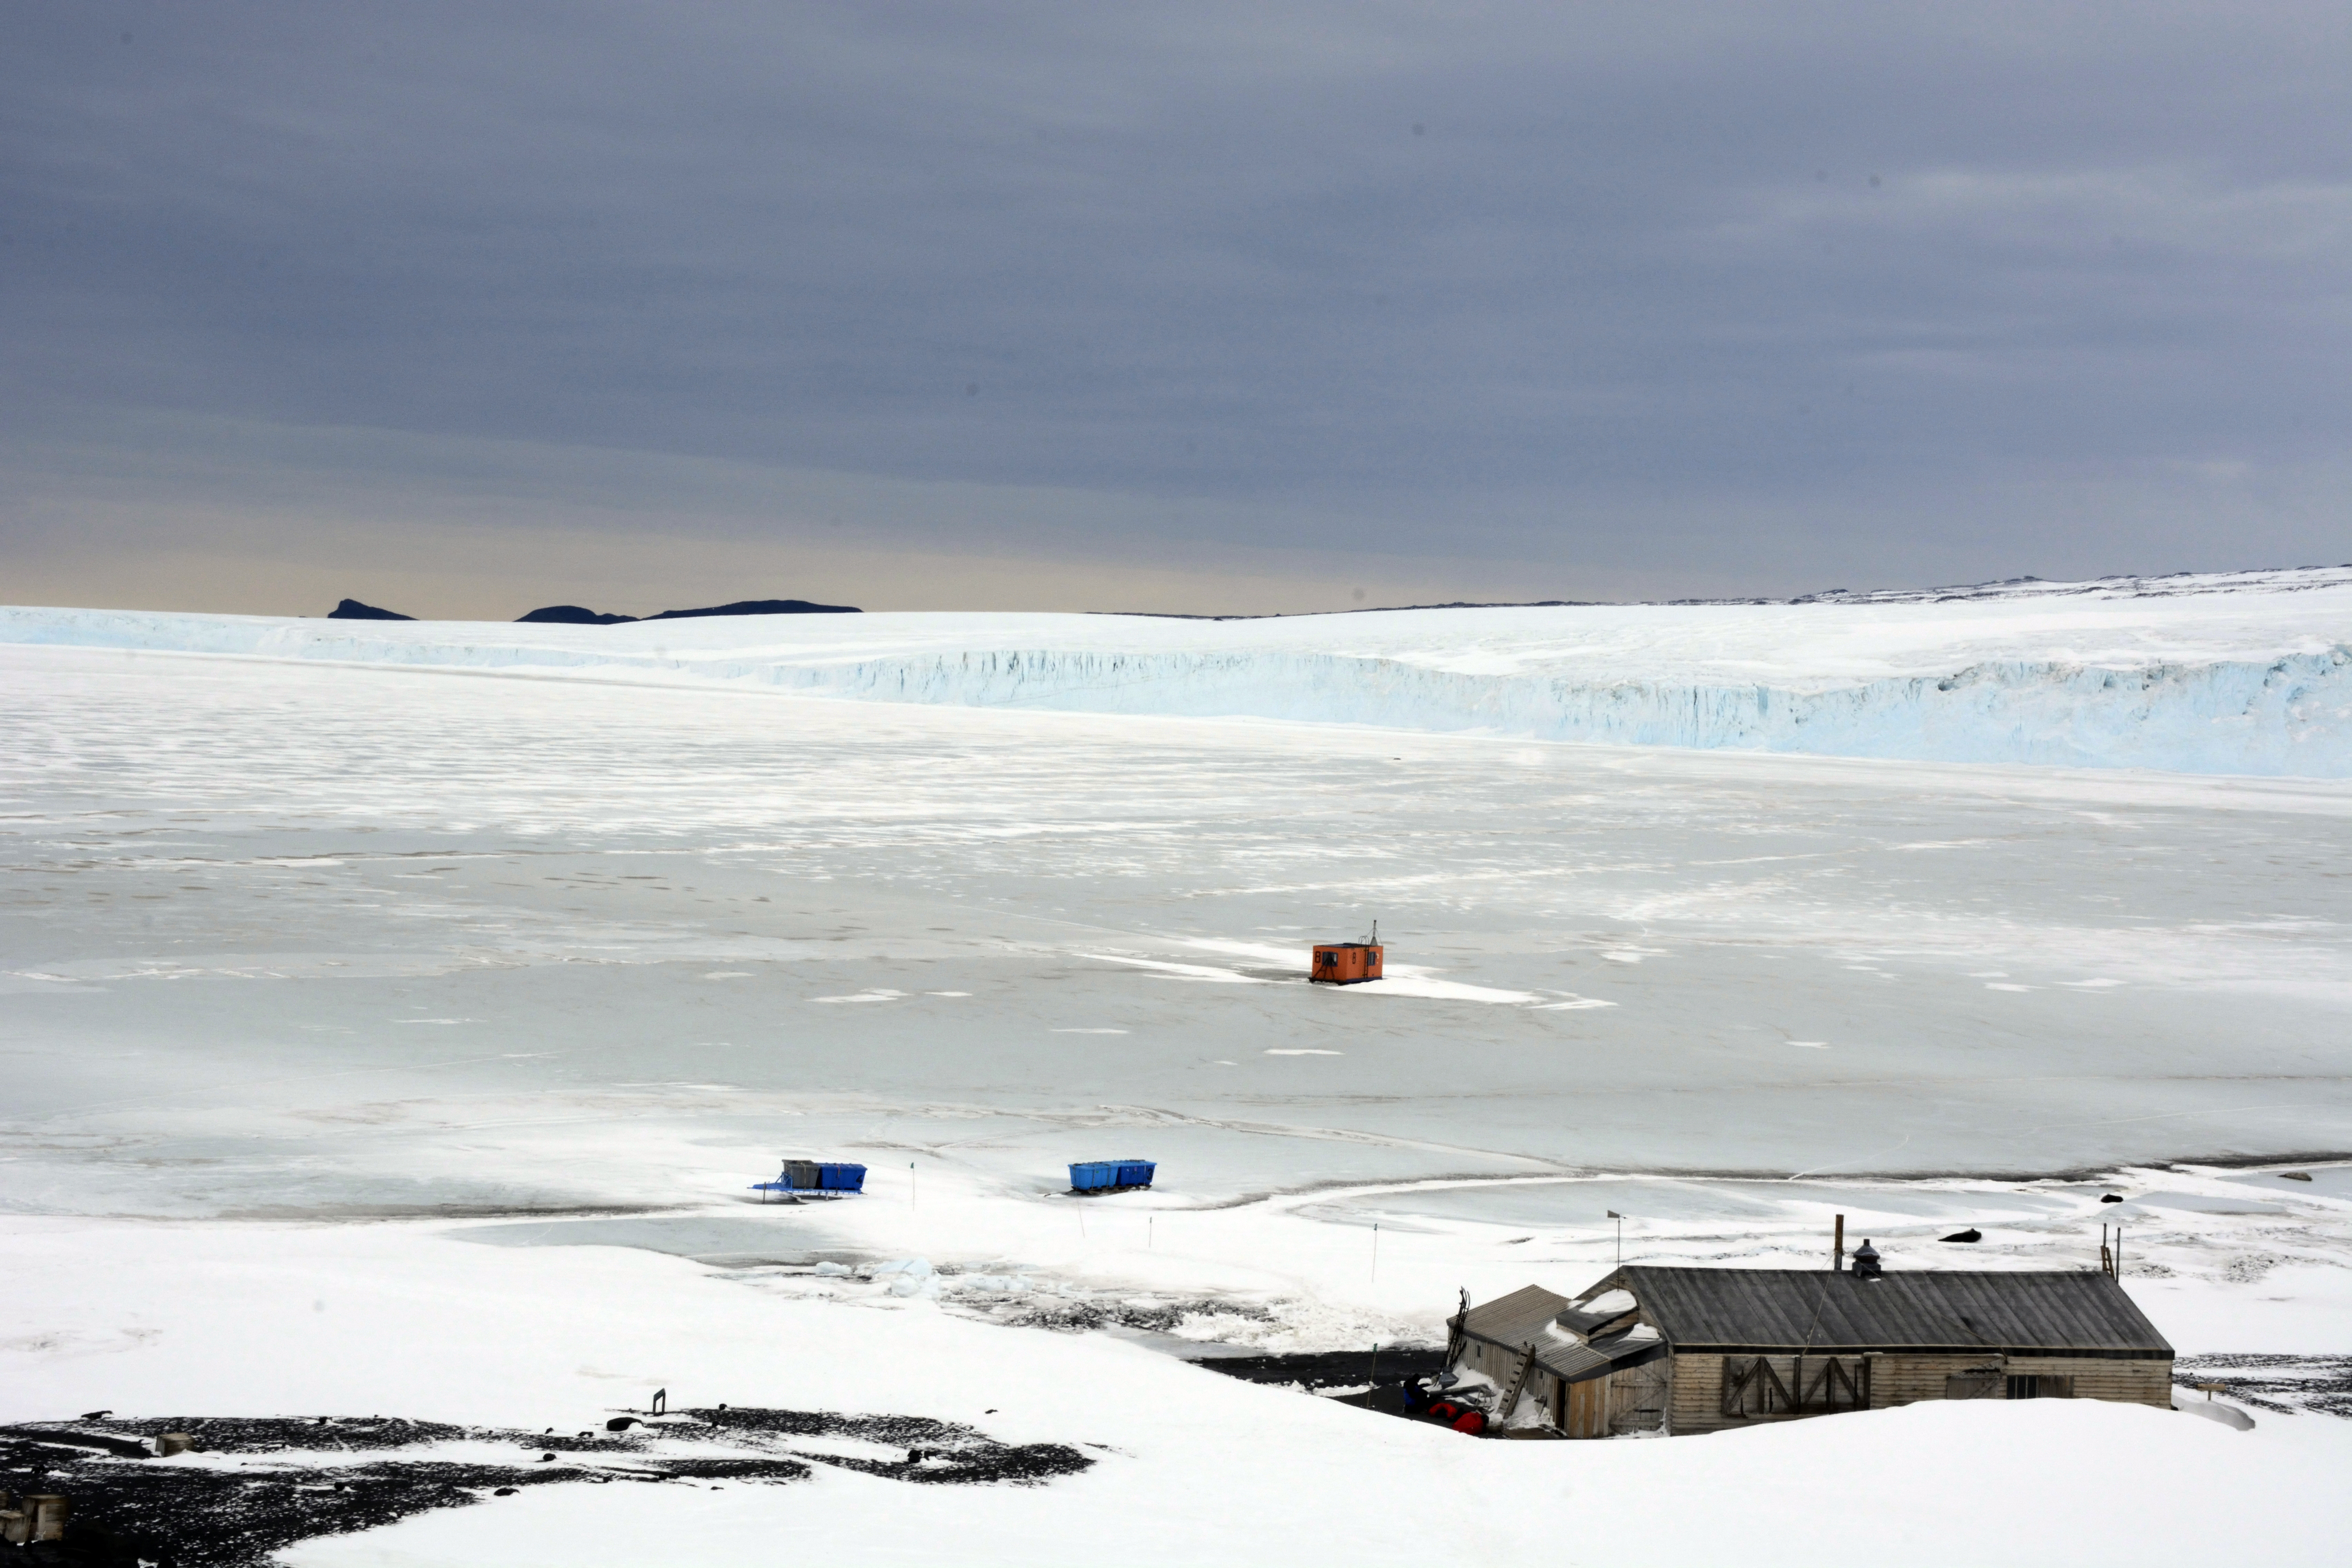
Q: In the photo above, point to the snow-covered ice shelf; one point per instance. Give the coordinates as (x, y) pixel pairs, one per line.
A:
(2249, 673)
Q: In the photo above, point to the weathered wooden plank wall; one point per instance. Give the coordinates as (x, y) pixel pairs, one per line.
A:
(2127, 1381)
(1697, 1403)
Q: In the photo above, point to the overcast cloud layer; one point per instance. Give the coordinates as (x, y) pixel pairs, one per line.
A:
(1218, 308)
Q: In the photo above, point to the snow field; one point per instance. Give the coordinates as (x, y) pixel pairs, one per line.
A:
(405, 1041)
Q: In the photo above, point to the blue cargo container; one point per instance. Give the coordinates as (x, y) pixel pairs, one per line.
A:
(1111, 1175)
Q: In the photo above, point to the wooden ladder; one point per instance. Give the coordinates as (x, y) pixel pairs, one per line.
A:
(1455, 1333)
(1517, 1386)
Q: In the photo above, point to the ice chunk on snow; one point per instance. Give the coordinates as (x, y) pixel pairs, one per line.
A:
(907, 1276)
(831, 1269)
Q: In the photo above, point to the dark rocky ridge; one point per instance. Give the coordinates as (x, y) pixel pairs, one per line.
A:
(574, 614)
(577, 615)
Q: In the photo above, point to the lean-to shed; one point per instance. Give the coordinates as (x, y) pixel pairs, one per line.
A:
(1589, 1374)
(1689, 1350)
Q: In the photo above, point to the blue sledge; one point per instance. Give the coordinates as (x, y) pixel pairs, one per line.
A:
(815, 1178)
(1111, 1175)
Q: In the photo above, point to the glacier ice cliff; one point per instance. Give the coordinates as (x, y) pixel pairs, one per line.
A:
(2225, 678)
(2289, 716)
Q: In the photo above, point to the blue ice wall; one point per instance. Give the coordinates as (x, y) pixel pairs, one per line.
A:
(2289, 716)
(2286, 716)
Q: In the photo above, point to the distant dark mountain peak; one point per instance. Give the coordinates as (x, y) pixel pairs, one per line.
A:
(352, 610)
(762, 607)
(575, 616)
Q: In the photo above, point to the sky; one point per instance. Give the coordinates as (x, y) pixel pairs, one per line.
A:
(467, 309)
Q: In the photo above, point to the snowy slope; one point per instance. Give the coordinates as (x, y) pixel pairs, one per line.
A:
(2248, 673)
(1190, 1467)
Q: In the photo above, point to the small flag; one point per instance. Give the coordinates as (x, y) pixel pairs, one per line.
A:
(1614, 1215)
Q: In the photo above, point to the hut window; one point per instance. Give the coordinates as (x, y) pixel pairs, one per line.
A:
(1977, 1384)
(2041, 1385)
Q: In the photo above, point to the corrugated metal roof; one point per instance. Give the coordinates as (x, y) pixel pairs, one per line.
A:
(1584, 1324)
(1515, 1319)
(1573, 1362)
(1525, 1317)
(1815, 1310)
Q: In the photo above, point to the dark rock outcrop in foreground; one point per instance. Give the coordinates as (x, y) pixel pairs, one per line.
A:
(352, 610)
(574, 615)
(333, 1475)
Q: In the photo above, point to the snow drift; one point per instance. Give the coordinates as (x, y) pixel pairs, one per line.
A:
(2244, 673)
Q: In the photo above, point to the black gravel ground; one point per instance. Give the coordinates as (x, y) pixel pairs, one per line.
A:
(1333, 1369)
(2287, 1384)
(294, 1478)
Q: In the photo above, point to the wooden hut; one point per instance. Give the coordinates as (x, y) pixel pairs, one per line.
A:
(1683, 1350)
(1347, 963)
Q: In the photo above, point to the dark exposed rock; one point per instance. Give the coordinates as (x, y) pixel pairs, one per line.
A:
(352, 610)
(576, 615)
(330, 1476)
(1331, 1369)
(761, 607)
(1154, 1317)
(2285, 1384)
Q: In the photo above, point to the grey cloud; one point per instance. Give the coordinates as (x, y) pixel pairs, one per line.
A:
(1627, 288)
